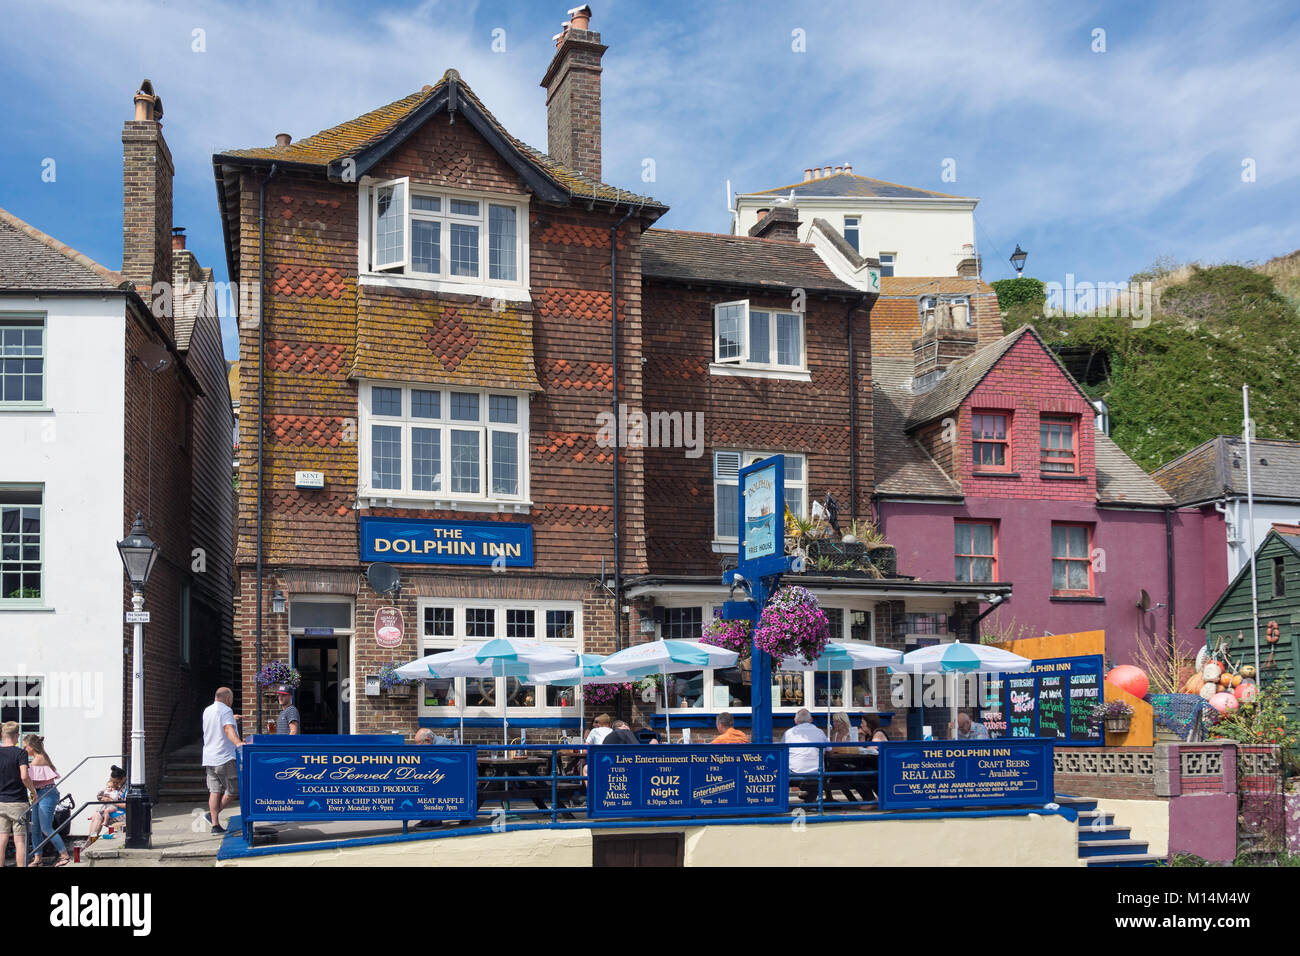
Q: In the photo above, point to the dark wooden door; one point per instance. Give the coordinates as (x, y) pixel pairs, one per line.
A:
(659, 849)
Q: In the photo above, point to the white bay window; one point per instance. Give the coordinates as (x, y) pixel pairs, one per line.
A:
(443, 444)
(432, 238)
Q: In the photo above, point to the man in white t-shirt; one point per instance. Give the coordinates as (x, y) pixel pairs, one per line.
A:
(805, 759)
(600, 731)
(220, 738)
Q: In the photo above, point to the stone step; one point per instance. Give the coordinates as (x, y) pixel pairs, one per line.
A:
(1104, 834)
(1134, 859)
(1089, 818)
(1095, 848)
(1077, 803)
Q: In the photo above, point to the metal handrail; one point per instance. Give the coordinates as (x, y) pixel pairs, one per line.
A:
(64, 776)
(36, 850)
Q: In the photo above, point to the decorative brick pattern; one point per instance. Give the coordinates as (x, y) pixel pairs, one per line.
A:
(450, 339)
(1201, 763)
(306, 430)
(306, 357)
(328, 283)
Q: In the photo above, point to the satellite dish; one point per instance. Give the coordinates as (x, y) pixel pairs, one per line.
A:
(153, 356)
(383, 578)
(1144, 602)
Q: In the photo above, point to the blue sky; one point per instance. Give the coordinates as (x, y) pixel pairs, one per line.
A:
(1095, 162)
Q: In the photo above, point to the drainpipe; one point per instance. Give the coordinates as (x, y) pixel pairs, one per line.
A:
(1169, 578)
(261, 398)
(613, 325)
(994, 604)
(853, 412)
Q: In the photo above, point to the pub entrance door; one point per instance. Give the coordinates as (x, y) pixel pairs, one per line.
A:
(322, 699)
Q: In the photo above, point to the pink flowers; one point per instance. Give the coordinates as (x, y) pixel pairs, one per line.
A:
(603, 693)
(793, 625)
(729, 635)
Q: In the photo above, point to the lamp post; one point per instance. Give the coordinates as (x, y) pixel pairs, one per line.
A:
(138, 553)
(1018, 260)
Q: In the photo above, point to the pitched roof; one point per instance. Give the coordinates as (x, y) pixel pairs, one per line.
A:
(1217, 469)
(32, 260)
(362, 142)
(904, 468)
(1290, 540)
(709, 257)
(851, 184)
(933, 285)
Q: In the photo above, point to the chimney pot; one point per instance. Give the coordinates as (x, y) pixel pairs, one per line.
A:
(283, 139)
(826, 171)
(572, 83)
(838, 170)
(580, 17)
(178, 238)
(848, 167)
(807, 173)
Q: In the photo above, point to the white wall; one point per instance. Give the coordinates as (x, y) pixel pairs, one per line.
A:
(926, 235)
(76, 451)
(1266, 513)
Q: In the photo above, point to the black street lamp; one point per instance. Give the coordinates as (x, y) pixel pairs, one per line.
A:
(1018, 260)
(139, 553)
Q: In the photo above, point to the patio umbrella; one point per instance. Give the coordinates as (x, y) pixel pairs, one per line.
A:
(587, 671)
(959, 657)
(500, 657)
(843, 656)
(667, 657)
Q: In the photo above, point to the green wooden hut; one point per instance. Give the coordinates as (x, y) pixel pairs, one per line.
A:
(1277, 563)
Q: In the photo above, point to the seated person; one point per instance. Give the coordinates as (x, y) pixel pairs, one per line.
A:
(968, 729)
(600, 731)
(872, 732)
(645, 733)
(114, 790)
(805, 760)
(621, 736)
(842, 732)
(727, 732)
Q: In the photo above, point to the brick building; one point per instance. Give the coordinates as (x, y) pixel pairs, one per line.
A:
(433, 343)
(102, 367)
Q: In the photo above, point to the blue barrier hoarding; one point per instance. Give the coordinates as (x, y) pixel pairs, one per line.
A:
(665, 781)
(304, 781)
(420, 541)
(965, 773)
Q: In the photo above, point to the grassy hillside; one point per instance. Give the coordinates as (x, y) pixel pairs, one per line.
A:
(1177, 382)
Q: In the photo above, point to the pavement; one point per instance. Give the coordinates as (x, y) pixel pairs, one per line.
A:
(180, 838)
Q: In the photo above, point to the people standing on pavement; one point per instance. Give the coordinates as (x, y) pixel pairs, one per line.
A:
(289, 721)
(220, 740)
(43, 774)
(15, 785)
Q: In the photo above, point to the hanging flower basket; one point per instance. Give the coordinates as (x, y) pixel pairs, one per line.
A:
(793, 625)
(600, 694)
(1116, 714)
(729, 635)
(276, 673)
(392, 684)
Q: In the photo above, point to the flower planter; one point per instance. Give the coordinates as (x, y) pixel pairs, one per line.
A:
(837, 551)
(1118, 725)
(885, 559)
(400, 690)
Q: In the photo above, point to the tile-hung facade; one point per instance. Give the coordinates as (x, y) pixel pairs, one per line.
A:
(769, 340)
(990, 467)
(435, 343)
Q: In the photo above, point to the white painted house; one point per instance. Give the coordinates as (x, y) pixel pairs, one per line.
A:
(913, 232)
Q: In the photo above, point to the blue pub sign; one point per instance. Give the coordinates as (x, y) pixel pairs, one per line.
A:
(667, 781)
(964, 773)
(422, 541)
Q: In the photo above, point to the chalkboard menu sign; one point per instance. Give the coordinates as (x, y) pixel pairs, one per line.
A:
(1053, 700)
(993, 712)
(1053, 717)
(1022, 706)
(1085, 694)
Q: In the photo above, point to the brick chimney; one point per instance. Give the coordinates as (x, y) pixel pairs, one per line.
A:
(572, 83)
(939, 346)
(781, 222)
(147, 172)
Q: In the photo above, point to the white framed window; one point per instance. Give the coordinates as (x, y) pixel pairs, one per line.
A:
(758, 338)
(444, 240)
(887, 260)
(22, 360)
(448, 623)
(852, 229)
(434, 443)
(22, 546)
(20, 701)
(726, 478)
(729, 688)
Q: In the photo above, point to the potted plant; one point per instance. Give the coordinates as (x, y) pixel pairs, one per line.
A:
(1117, 714)
(599, 695)
(276, 673)
(793, 625)
(392, 684)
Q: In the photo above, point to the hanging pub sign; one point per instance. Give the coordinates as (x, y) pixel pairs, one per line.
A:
(389, 625)
(501, 544)
(761, 514)
(1053, 700)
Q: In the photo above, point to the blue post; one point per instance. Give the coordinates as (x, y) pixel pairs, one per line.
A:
(761, 676)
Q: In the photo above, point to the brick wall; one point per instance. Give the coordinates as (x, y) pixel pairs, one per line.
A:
(157, 483)
(147, 171)
(572, 84)
(1116, 786)
(751, 414)
(1027, 384)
